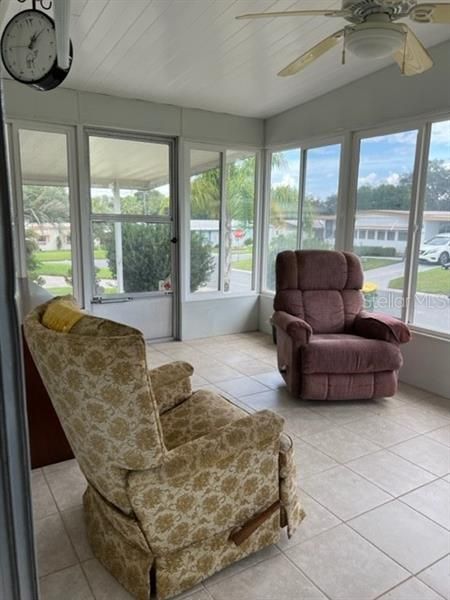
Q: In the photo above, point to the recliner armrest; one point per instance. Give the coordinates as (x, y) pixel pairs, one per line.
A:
(171, 384)
(297, 329)
(381, 327)
(170, 373)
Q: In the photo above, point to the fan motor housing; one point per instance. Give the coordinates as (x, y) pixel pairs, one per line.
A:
(361, 9)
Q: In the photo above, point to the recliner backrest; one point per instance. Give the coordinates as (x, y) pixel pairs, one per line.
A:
(323, 287)
(97, 379)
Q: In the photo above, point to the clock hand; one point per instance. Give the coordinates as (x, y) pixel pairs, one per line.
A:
(34, 38)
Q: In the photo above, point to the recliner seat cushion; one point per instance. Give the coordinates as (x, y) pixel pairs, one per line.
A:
(345, 353)
(199, 415)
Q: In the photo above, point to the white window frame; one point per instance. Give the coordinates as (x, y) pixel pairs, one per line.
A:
(185, 212)
(303, 147)
(89, 217)
(423, 126)
(14, 125)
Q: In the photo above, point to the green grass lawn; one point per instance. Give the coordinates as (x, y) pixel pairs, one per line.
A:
(375, 263)
(60, 269)
(60, 291)
(433, 281)
(243, 265)
(54, 255)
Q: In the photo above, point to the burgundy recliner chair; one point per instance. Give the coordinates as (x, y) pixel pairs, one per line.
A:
(328, 347)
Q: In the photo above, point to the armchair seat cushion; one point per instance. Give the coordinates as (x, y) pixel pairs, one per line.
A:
(345, 353)
(199, 415)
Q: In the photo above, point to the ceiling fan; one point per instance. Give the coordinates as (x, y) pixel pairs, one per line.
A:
(372, 32)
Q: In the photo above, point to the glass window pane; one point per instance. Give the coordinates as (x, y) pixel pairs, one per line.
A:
(131, 257)
(431, 300)
(239, 221)
(205, 191)
(45, 190)
(283, 207)
(321, 192)
(386, 168)
(129, 177)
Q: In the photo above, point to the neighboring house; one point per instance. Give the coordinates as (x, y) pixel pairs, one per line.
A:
(51, 236)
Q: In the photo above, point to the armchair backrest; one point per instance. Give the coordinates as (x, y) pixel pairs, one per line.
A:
(97, 379)
(322, 287)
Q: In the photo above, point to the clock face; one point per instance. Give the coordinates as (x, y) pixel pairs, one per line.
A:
(28, 46)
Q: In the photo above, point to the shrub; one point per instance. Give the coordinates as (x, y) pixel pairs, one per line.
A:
(375, 251)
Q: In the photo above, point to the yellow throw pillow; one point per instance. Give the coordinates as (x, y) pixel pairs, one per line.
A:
(62, 315)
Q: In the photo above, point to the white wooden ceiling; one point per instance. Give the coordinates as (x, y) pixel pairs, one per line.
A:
(194, 53)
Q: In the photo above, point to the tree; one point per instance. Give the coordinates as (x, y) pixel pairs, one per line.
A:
(147, 257)
(31, 256)
(45, 204)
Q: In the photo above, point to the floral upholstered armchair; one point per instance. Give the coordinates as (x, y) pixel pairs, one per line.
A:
(180, 484)
(328, 347)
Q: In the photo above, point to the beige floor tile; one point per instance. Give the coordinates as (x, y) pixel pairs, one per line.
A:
(273, 579)
(217, 374)
(65, 464)
(438, 577)
(341, 412)
(104, 586)
(417, 419)
(433, 501)
(425, 453)
(253, 367)
(381, 431)
(404, 534)
(76, 528)
(69, 583)
(43, 503)
(67, 485)
(198, 382)
(53, 547)
(309, 460)
(200, 595)
(345, 566)
(278, 400)
(301, 421)
(198, 592)
(413, 589)
(390, 472)
(318, 519)
(441, 435)
(341, 444)
(343, 492)
(272, 379)
(241, 565)
(242, 386)
(410, 393)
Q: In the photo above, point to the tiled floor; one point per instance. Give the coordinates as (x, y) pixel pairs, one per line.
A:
(373, 476)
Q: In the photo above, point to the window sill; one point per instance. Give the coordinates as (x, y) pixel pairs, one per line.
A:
(215, 296)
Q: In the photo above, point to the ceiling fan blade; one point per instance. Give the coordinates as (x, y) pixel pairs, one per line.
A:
(413, 58)
(430, 13)
(315, 52)
(297, 13)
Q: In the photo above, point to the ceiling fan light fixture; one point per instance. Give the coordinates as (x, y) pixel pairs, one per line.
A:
(370, 41)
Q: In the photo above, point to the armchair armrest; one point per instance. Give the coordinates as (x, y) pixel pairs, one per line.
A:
(171, 384)
(297, 329)
(211, 484)
(381, 327)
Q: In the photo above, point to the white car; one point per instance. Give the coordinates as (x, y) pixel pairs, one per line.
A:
(436, 250)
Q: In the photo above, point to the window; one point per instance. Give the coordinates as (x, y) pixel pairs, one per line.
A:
(391, 235)
(362, 234)
(302, 216)
(320, 197)
(131, 223)
(432, 293)
(239, 221)
(222, 190)
(283, 208)
(386, 165)
(46, 208)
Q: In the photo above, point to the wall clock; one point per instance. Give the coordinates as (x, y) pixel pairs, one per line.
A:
(28, 49)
